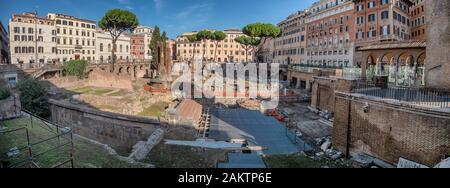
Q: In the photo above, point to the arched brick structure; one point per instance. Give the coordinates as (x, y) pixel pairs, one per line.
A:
(393, 59)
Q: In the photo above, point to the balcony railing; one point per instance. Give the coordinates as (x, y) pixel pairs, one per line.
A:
(417, 96)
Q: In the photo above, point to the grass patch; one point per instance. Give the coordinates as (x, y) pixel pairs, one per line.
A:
(86, 154)
(170, 156)
(91, 90)
(119, 93)
(155, 110)
(106, 107)
(298, 160)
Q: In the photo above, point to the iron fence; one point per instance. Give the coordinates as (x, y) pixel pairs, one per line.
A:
(417, 96)
(54, 140)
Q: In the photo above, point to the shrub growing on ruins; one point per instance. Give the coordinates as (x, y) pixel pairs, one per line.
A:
(4, 93)
(33, 97)
(75, 68)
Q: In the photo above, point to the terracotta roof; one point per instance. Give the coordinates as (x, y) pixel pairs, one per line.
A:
(190, 110)
(393, 45)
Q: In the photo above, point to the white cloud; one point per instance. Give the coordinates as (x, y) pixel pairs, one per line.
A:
(198, 10)
(158, 4)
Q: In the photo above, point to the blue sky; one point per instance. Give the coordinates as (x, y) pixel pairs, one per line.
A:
(173, 16)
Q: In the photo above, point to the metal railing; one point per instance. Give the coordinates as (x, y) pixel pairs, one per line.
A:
(53, 138)
(417, 96)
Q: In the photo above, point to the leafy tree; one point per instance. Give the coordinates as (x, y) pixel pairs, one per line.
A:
(217, 36)
(262, 31)
(193, 39)
(117, 21)
(33, 97)
(4, 93)
(204, 35)
(164, 37)
(247, 42)
(156, 36)
(75, 68)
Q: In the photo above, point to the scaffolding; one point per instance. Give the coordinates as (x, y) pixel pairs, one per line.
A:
(46, 145)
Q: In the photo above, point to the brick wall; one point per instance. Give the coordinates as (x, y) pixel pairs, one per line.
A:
(10, 107)
(119, 131)
(438, 42)
(323, 90)
(390, 130)
(99, 78)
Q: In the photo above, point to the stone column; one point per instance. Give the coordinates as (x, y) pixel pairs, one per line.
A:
(438, 44)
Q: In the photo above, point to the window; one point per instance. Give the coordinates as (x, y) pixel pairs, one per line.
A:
(372, 17)
(371, 4)
(384, 30)
(384, 15)
(360, 7)
(30, 30)
(101, 47)
(40, 49)
(16, 29)
(383, 2)
(359, 20)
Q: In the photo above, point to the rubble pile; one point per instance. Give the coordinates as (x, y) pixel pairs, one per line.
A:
(326, 149)
(326, 115)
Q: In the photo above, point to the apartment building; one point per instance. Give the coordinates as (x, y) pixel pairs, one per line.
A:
(104, 47)
(382, 20)
(137, 43)
(4, 45)
(146, 32)
(417, 14)
(75, 37)
(330, 34)
(32, 39)
(228, 50)
(291, 46)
